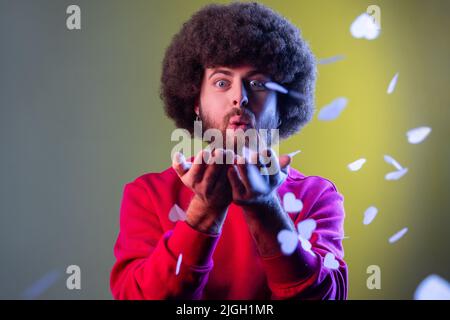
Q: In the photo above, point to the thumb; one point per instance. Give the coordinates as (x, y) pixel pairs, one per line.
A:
(284, 160)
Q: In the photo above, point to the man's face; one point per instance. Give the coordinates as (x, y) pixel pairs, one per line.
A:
(235, 98)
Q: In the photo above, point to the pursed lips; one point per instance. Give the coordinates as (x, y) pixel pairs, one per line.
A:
(238, 123)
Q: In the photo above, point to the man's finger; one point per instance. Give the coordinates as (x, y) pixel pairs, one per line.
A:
(214, 169)
(235, 181)
(179, 164)
(284, 160)
(198, 166)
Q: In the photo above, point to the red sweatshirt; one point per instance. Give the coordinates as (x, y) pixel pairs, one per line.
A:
(225, 266)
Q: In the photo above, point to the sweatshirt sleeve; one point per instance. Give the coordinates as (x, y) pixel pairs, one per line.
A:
(147, 257)
(302, 276)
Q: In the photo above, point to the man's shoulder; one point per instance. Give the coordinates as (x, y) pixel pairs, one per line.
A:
(164, 180)
(315, 183)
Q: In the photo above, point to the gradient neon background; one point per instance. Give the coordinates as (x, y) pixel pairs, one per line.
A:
(80, 117)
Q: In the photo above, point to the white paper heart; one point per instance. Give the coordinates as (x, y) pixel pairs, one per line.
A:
(365, 27)
(395, 175)
(369, 215)
(331, 59)
(257, 181)
(330, 261)
(305, 228)
(177, 269)
(288, 241)
(332, 110)
(291, 204)
(433, 287)
(306, 245)
(398, 235)
(392, 161)
(176, 214)
(392, 84)
(341, 238)
(356, 165)
(417, 135)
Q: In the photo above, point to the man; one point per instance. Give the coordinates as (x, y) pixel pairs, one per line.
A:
(232, 242)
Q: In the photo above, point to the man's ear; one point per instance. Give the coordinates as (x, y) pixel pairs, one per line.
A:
(197, 106)
(279, 119)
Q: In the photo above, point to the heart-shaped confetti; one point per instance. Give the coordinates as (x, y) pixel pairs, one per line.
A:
(369, 215)
(393, 162)
(341, 238)
(433, 287)
(395, 175)
(288, 241)
(398, 235)
(365, 27)
(331, 59)
(417, 135)
(332, 110)
(176, 214)
(305, 228)
(356, 165)
(392, 84)
(330, 261)
(177, 269)
(291, 204)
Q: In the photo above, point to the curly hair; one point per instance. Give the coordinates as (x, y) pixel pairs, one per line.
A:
(233, 35)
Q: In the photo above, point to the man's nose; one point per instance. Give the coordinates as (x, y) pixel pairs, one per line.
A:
(240, 97)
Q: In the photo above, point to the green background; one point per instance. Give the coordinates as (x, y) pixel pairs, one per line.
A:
(81, 116)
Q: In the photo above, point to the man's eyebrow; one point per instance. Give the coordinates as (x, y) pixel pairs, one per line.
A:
(230, 73)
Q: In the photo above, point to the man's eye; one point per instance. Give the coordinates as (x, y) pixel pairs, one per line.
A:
(257, 85)
(221, 83)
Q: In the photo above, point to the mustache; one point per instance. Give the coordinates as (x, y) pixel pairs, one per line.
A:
(246, 114)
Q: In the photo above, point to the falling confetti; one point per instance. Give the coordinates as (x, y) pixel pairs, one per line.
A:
(392, 84)
(41, 285)
(356, 165)
(292, 154)
(288, 241)
(393, 162)
(180, 258)
(291, 204)
(178, 157)
(306, 245)
(369, 215)
(276, 87)
(331, 59)
(279, 88)
(258, 181)
(176, 213)
(398, 235)
(417, 135)
(395, 175)
(332, 110)
(433, 287)
(341, 238)
(365, 27)
(305, 228)
(330, 261)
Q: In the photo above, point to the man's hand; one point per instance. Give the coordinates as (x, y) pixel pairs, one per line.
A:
(255, 177)
(207, 178)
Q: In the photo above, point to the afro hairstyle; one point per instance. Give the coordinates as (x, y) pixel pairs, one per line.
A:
(233, 35)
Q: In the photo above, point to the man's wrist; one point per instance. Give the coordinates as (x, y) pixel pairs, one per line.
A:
(205, 218)
(271, 201)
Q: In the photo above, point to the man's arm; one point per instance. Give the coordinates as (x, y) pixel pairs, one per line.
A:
(300, 275)
(147, 257)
